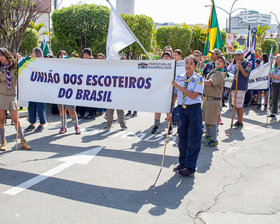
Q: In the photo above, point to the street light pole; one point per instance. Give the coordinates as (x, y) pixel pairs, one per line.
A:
(278, 27)
(229, 13)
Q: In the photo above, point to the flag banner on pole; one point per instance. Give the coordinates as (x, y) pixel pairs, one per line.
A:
(248, 45)
(119, 37)
(44, 47)
(258, 79)
(115, 84)
(230, 43)
(270, 53)
(213, 34)
(253, 50)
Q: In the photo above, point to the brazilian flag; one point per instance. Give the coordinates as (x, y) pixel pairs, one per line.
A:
(214, 38)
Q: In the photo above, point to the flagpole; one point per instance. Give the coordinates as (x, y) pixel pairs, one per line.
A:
(130, 30)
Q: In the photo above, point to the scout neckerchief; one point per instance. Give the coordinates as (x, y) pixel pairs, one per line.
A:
(8, 74)
(212, 72)
(186, 81)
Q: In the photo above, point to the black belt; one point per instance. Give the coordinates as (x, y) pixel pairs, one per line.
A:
(190, 106)
(212, 98)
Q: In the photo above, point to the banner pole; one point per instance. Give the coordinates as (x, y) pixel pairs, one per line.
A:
(17, 110)
(269, 91)
(171, 108)
(235, 95)
(130, 30)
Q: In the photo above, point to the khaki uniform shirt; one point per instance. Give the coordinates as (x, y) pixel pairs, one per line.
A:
(3, 83)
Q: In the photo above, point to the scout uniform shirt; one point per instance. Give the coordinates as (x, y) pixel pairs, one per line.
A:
(217, 79)
(242, 80)
(3, 83)
(192, 84)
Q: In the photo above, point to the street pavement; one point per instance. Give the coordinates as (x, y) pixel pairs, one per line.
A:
(116, 176)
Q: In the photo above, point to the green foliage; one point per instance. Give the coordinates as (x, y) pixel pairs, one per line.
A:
(57, 45)
(178, 37)
(260, 35)
(81, 26)
(224, 36)
(198, 38)
(142, 27)
(266, 46)
(37, 27)
(29, 41)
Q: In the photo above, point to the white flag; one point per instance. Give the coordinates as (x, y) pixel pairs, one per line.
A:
(118, 37)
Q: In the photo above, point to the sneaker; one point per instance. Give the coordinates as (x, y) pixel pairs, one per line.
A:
(272, 115)
(259, 106)
(211, 143)
(29, 128)
(178, 167)
(128, 114)
(40, 128)
(62, 130)
(236, 123)
(221, 121)
(155, 130)
(239, 125)
(107, 128)
(207, 139)
(186, 172)
(77, 129)
(133, 115)
(123, 127)
(3, 145)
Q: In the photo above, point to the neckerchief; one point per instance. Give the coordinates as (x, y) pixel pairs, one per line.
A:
(9, 80)
(186, 81)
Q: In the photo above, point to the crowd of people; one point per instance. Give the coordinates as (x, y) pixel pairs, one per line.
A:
(198, 97)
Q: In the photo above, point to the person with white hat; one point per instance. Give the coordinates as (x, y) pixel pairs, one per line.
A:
(244, 68)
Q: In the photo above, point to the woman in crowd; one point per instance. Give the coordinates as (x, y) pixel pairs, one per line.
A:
(188, 91)
(275, 78)
(264, 91)
(36, 108)
(213, 91)
(8, 100)
(63, 108)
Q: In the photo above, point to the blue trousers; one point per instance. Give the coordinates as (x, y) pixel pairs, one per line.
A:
(35, 108)
(190, 134)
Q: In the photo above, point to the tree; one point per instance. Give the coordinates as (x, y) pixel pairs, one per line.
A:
(142, 27)
(178, 37)
(260, 36)
(198, 38)
(266, 46)
(15, 17)
(29, 41)
(81, 26)
(58, 45)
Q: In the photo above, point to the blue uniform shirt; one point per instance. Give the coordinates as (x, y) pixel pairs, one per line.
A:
(195, 85)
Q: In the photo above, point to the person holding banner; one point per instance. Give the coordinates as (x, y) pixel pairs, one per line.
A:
(63, 108)
(244, 68)
(165, 56)
(213, 91)
(275, 77)
(8, 99)
(36, 108)
(188, 115)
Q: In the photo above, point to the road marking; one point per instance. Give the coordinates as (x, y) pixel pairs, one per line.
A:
(80, 158)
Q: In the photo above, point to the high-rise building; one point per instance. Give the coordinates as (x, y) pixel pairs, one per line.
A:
(125, 6)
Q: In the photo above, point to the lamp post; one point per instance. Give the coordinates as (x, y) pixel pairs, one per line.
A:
(229, 13)
(278, 28)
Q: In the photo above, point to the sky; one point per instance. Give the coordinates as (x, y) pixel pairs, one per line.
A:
(189, 11)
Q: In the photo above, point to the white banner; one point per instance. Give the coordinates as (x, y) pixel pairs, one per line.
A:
(258, 79)
(180, 67)
(230, 43)
(116, 84)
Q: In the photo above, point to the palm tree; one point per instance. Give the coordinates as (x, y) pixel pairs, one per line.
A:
(260, 36)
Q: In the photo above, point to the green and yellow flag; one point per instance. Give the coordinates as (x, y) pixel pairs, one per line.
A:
(214, 38)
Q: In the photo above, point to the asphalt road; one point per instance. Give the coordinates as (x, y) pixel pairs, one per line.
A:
(115, 177)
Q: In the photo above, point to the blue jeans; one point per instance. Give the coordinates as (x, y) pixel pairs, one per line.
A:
(35, 108)
(190, 134)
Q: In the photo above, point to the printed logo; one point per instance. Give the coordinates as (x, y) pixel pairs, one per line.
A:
(142, 65)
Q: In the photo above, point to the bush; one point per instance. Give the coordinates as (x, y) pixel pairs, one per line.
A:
(29, 41)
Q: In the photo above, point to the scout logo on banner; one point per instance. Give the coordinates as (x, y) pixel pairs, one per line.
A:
(98, 83)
